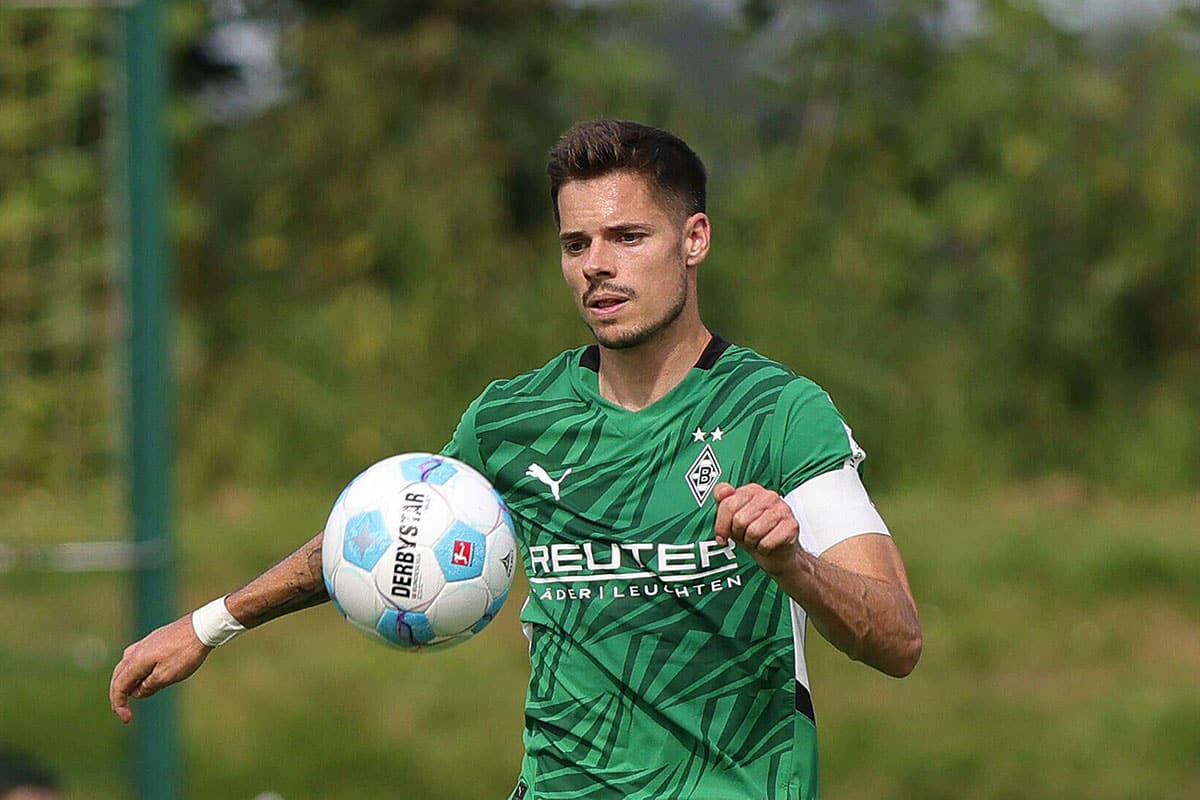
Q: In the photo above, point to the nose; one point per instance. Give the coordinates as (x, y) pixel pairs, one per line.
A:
(599, 263)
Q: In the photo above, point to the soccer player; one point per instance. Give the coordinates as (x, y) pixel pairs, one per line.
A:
(684, 506)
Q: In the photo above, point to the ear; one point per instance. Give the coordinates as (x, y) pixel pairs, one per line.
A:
(697, 236)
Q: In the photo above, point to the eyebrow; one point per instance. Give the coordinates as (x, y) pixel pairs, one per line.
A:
(620, 227)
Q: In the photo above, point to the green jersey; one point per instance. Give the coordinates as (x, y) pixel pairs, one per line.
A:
(663, 665)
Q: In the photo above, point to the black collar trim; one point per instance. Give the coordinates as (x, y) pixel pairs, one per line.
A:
(712, 351)
(716, 346)
(590, 358)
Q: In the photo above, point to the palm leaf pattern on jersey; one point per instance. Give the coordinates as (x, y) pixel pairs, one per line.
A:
(649, 695)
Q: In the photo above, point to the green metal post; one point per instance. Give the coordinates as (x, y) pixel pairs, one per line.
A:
(149, 421)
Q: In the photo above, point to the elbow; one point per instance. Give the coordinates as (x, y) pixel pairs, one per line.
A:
(896, 656)
(909, 644)
(907, 655)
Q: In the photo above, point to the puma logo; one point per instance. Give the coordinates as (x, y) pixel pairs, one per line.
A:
(536, 471)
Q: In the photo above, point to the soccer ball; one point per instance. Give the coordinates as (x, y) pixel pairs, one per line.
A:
(419, 551)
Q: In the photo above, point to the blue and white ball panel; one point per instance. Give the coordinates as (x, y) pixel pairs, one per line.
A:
(329, 588)
(474, 500)
(342, 496)
(356, 595)
(460, 552)
(364, 492)
(405, 628)
(501, 562)
(494, 607)
(427, 468)
(506, 519)
(408, 578)
(418, 624)
(365, 539)
(458, 607)
(490, 614)
(331, 541)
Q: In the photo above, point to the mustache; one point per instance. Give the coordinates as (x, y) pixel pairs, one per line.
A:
(609, 286)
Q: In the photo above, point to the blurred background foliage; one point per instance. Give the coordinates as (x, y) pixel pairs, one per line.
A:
(979, 231)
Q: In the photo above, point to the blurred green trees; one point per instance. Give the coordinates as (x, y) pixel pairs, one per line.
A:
(57, 284)
(996, 238)
(982, 241)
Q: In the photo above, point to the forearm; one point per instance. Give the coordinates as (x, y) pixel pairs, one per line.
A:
(293, 584)
(174, 651)
(870, 620)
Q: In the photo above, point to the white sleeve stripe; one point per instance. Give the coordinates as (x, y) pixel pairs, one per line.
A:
(857, 454)
(833, 507)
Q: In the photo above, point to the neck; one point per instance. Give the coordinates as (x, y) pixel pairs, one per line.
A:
(636, 377)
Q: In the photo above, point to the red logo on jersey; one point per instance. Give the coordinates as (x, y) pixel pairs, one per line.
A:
(462, 553)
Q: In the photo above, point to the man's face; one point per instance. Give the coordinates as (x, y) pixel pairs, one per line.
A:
(627, 260)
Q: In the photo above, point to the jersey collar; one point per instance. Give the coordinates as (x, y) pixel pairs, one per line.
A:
(590, 359)
(636, 423)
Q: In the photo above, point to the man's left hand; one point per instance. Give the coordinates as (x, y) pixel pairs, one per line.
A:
(758, 520)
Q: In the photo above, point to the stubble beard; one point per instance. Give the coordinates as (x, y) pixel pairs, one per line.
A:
(625, 339)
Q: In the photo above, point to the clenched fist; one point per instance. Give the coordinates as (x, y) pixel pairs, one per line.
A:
(760, 522)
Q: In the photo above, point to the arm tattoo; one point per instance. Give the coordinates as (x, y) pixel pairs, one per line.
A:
(291, 585)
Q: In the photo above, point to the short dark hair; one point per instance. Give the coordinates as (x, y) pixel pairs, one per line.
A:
(600, 146)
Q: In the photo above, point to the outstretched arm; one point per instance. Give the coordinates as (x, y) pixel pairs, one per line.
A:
(173, 652)
(856, 593)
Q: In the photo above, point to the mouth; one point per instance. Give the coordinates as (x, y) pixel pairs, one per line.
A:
(605, 305)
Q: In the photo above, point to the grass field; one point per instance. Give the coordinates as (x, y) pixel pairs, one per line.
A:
(1062, 655)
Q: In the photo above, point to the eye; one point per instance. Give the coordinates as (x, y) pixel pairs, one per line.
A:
(574, 247)
(631, 237)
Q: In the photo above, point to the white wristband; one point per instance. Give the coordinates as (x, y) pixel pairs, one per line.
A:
(213, 623)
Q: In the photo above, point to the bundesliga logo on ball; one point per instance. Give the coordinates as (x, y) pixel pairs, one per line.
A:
(419, 551)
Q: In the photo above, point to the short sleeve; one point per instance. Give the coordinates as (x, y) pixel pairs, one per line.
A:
(809, 436)
(464, 444)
